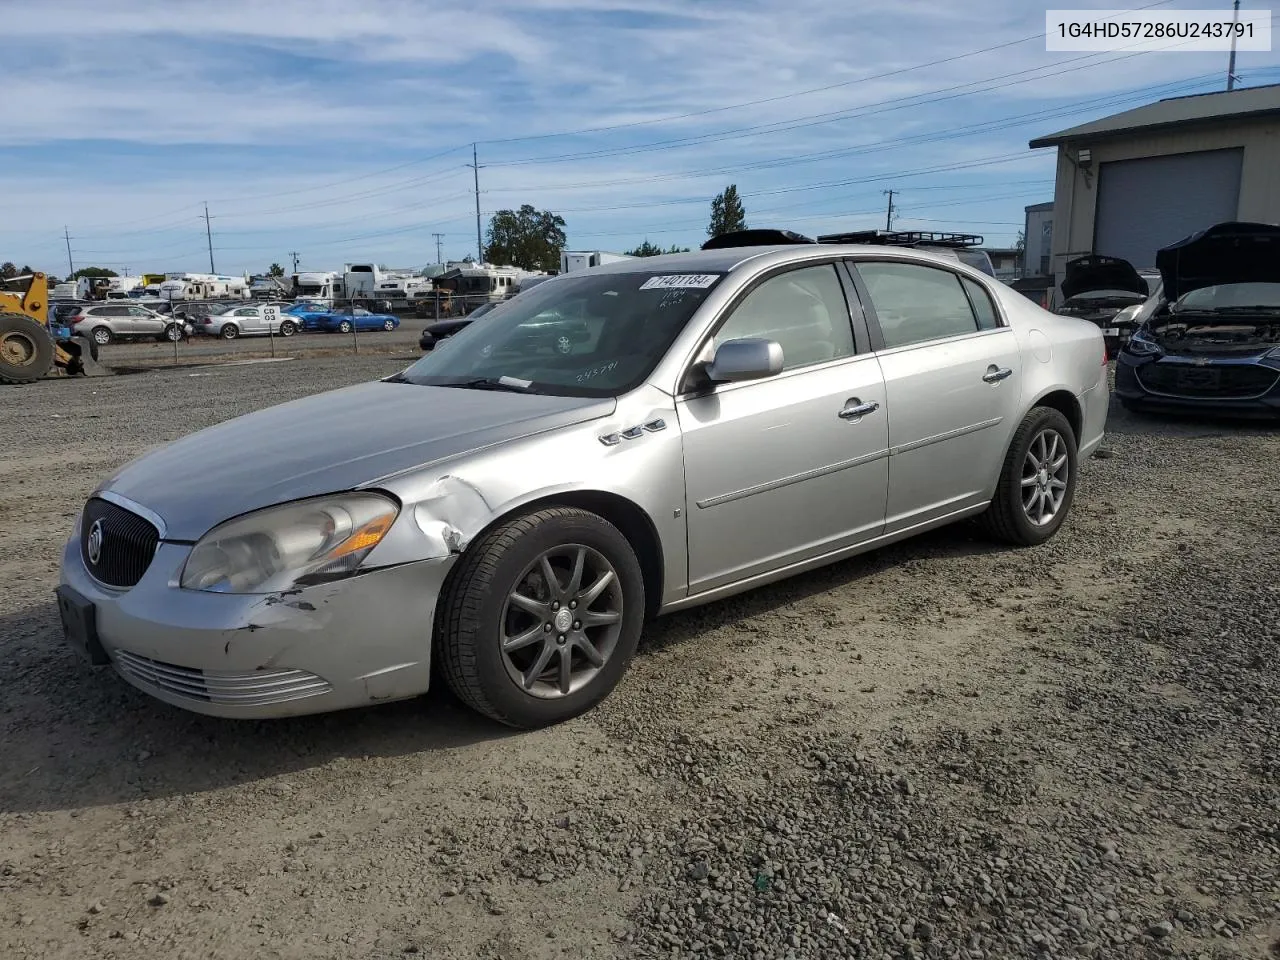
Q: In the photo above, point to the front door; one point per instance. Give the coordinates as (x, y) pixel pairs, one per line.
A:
(250, 320)
(788, 467)
(953, 379)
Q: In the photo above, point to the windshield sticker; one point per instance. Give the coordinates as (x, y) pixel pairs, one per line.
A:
(681, 281)
(596, 371)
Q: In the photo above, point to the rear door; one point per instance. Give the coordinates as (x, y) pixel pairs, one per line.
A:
(953, 381)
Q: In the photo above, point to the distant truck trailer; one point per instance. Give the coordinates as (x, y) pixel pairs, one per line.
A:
(571, 260)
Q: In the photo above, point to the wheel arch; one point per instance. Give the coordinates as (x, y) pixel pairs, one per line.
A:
(629, 517)
(1066, 403)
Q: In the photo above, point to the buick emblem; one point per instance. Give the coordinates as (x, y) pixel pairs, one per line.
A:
(94, 546)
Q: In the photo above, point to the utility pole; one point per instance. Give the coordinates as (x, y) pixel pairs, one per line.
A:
(888, 217)
(208, 232)
(1231, 61)
(439, 237)
(475, 166)
(294, 254)
(71, 267)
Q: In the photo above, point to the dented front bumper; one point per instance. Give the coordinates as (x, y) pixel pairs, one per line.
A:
(365, 639)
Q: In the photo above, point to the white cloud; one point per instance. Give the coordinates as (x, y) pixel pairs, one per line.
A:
(301, 105)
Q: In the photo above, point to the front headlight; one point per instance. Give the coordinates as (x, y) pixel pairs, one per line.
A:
(1141, 345)
(1127, 315)
(295, 544)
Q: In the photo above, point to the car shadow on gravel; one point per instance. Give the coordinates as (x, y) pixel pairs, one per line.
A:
(76, 736)
(958, 540)
(1138, 423)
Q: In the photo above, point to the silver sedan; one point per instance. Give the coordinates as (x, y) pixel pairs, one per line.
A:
(519, 502)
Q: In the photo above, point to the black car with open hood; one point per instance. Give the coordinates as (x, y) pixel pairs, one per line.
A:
(1234, 252)
(1213, 343)
(1101, 289)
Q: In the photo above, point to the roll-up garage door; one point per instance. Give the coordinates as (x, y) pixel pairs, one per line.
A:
(1151, 202)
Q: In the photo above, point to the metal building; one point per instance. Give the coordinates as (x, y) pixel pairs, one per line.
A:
(1136, 181)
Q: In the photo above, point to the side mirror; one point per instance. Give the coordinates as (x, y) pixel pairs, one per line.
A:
(750, 358)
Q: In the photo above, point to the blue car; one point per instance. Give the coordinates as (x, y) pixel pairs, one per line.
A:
(307, 312)
(1213, 345)
(345, 319)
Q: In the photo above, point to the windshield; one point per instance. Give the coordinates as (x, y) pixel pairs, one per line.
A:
(1231, 296)
(588, 335)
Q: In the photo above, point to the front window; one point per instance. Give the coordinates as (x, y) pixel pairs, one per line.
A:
(1230, 297)
(587, 336)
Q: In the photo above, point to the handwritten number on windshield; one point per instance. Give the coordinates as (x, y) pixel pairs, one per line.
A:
(595, 371)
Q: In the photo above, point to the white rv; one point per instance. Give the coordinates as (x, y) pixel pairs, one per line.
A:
(204, 286)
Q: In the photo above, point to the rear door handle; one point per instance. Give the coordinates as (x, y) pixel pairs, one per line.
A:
(854, 409)
(995, 374)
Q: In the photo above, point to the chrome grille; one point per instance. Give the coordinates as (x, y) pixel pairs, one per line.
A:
(116, 544)
(1212, 381)
(259, 688)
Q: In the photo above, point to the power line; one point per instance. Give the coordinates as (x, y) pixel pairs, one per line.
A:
(786, 96)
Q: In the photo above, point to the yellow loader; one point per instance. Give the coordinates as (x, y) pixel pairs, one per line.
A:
(32, 343)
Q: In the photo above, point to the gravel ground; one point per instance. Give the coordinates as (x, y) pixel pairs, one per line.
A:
(943, 749)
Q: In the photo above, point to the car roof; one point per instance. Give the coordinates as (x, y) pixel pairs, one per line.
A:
(727, 259)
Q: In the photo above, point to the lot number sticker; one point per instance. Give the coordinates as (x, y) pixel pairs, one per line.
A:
(681, 281)
(271, 315)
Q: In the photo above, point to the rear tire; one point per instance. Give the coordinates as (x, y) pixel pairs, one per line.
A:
(1020, 513)
(229, 331)
(26, 350)
(476, 618)
(102, 336)
(344, 326)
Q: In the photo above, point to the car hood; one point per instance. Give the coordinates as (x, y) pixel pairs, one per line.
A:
(1096, 272)
(1233, 252)
(330, 442)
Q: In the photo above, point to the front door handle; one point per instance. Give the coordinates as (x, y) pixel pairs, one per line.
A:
(995, 374)
(854, 409)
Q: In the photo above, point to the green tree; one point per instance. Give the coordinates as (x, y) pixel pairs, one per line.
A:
(526, 238)
(648, 249)
(1021, 243)
(8, 270)
(276, 270)
(92, 272)
(727, 213)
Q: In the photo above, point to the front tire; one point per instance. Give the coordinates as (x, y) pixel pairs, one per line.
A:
(288, 329)
(173, 333)
(1037, 481)
(388, 325)
(540, 617)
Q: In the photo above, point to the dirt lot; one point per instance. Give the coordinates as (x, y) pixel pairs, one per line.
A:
(943, 749)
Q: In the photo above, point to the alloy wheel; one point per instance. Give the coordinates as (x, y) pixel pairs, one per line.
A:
(1045, 472)
(561, 621)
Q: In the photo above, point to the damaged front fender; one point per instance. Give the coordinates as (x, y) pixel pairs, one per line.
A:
(441, 523)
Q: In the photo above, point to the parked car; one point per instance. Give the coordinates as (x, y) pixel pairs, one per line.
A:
(1212, 343)
(254, 320)
(1102, 290)
(433, 333)
(731, 417)
(343, 319)
(104, 323)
